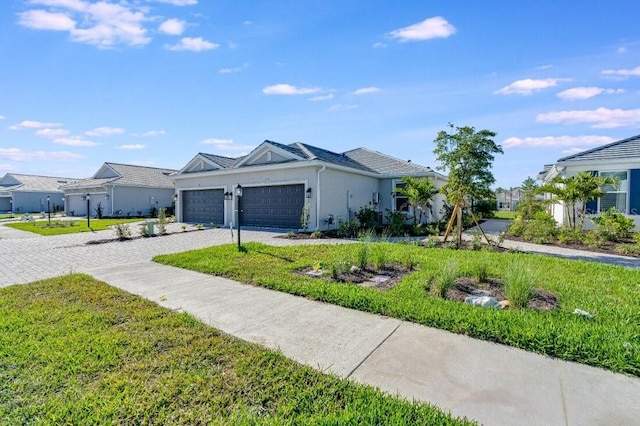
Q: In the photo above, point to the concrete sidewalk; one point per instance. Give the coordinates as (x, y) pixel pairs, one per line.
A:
(493, 384)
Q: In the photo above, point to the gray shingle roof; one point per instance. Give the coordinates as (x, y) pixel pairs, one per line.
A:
(385, 164)
(130, 175)
(33, 183)
(624, 148)
(224, 162)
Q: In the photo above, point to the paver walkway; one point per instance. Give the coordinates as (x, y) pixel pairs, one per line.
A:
(491, 383)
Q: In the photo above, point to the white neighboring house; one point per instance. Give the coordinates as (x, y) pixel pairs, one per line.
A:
(619, 159)
(507, 199)
(121, 190)
(23, 193)
(278, 181)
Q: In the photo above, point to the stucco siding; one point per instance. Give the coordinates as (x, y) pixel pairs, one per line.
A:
(125, 201)
(34, 202)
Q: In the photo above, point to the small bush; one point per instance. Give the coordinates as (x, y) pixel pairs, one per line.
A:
(379, 257)
(569, 235)
(162, 221)
(476, 242)
(395, 223)
(368, 217)
(409, 261)
(628, 249)
(594, 239)
(338, 268)
(481, 272)
(316, 234)
(541, 229)
(144, 231)
(517, 227)
(347, 229)
(517, 284)
(122, 231)
(431, 242)
(613, 225)
(363, 255)
(445, 279)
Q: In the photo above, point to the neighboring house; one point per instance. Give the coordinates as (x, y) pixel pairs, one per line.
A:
(619, 159)
(279, 181)
(121, 190)
(507, 199)
(22, 193)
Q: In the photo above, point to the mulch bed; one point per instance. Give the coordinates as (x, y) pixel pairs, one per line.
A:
(381, 279)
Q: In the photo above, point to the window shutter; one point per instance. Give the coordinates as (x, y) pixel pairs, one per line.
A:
(634, 191)
(592, 205)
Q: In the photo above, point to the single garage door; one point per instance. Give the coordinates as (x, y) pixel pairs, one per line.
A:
(273, 206)
(203, 206)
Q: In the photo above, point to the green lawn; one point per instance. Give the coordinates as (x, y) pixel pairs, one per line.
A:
(612, 294)
(58, 227)
(504, 215)
(76, 351)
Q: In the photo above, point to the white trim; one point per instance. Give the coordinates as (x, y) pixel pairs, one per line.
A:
(265, 147)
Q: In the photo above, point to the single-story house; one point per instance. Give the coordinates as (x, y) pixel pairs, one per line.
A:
(282, 183)
(507, 199)
(620, 159)
(21, 193)
(121, 190)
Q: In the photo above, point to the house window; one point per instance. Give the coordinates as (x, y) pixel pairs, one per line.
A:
(401, 202)
(616, 196)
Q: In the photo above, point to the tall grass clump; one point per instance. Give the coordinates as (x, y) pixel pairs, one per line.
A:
(481, 272)
(445, 278)
(518, 285)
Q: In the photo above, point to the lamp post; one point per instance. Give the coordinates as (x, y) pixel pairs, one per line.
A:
(64, 207)
(49, 209)
(88, 211)
(11, 204)
(239, 206)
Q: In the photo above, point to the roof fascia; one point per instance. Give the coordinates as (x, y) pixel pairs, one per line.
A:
(261, 149)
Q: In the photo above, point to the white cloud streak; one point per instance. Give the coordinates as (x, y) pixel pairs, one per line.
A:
(579, 93)
(132, 147)
(77, 142)
(436, 27)
(287, 89)
(149, 134)
(16, 154)
(193, 44)
(555, 141)
(621, 74)
(52, 133)
(179, 2)
(600, 118)
(318, 98)
(528, 86)
(226, 145)
(105, 131)
(31, 124)
(172, 26)
(365, 91)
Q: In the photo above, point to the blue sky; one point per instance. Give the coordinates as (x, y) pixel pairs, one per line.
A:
(154, 82)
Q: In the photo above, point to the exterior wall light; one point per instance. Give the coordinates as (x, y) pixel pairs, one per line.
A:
(308, 193)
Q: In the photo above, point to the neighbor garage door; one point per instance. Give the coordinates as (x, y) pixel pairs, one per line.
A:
(273, 206)
(203, 206)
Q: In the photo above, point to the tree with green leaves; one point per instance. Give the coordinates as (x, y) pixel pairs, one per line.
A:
(419, 192)
(467, 155)
(529, 205)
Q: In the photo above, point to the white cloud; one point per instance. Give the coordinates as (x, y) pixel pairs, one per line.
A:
(528, 86)
(226, 145)
(342, 107)
(287, 89)
(234, 70)
(577, 93)
(544, 67)
(105, 131)
(366, 90)
(622, 50)
(16, 154)
(379, 45)
(621, 74)
(52, 133)
(30, 124)
(102, 24)
(600, 118)
(149, 133)
(550, 141)
(571, 151)
(436, 27)
(78, 142)
(179, 2)
(42, 20)
(326, 97)
(2, 117)
(172, 26)
(247, 23)
(193, 44)
(132, 147)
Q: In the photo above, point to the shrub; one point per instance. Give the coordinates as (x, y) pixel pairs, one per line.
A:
(613, 225)
(305, 216)
(569, 235)
(636, 237)
(122, 231)
(517, 227)
(481, 272)
(363, 255)
(316, 234)
(431, 242)
(593, 239)
(541, 229)
(144, 230)
(445, 279)
(409, 261)
(628, 249)
(517, 284)
(368, 217)
(338, 268)
(162, 221)
(347, 229)
(476, 242)
(153, 211)
(395, 223)
(379, 257)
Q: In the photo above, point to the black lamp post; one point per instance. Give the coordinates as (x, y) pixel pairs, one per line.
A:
(49, 209)
(239, 206)
(88, 211)
(11, 203)
(64, 207)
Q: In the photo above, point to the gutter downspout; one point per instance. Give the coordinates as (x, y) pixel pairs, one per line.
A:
(324, 167)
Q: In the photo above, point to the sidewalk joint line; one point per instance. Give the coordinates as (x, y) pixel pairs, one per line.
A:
(373, 350)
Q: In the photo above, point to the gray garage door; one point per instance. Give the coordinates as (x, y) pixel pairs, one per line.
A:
(203, 206)
(273, 206)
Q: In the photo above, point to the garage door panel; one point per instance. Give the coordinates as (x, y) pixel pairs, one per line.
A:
(273, 206)
(203, 206)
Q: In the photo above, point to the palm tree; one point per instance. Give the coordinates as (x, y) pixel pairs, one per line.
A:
(419, 192)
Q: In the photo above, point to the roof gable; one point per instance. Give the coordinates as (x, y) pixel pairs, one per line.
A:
(127, 175)
(105, 172)
(269, 152)
(622, 149)
(206, 162)
(33, 183)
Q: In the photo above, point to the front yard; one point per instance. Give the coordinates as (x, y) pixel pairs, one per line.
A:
(76, 351)
(609, 339)
(58, 227)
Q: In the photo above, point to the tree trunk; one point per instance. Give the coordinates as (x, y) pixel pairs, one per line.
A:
(459, 225)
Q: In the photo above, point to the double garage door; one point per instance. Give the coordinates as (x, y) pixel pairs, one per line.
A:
(265, 206)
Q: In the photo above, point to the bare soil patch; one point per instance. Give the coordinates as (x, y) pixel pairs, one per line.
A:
(383, 279)
(464, 287)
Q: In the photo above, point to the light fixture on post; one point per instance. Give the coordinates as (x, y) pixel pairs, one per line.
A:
(228, 196)
(106, 196)
(49, 209)
(88, 198)
(308, 193)
(11, 204)
(239, 207)
(64, 207)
